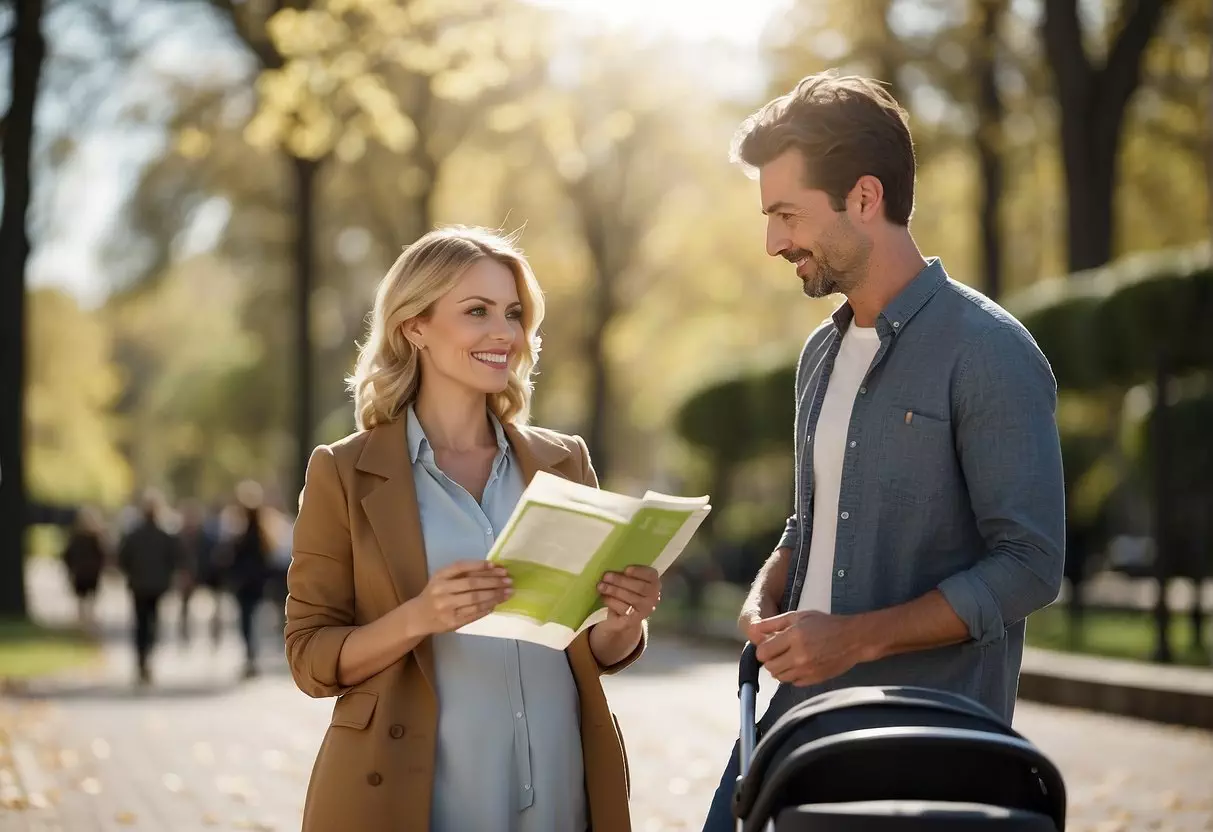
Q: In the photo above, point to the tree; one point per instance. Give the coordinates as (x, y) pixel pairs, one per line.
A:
(613, 131)
(337, 74)
(1092, 102)
(988, 140)
(28, 53)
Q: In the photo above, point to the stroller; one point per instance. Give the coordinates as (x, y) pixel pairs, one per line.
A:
(890, 759)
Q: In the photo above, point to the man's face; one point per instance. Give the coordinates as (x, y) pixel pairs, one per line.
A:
(830, 254)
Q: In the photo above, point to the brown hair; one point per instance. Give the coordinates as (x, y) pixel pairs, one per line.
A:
(845, 127)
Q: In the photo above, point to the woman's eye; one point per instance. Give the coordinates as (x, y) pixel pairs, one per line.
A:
(514, 314)
(477, 310)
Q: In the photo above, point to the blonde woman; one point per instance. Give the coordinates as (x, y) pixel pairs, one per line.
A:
(434, 729)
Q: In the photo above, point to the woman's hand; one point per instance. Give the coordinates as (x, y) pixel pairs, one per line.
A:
(459, 594)
(630, 597)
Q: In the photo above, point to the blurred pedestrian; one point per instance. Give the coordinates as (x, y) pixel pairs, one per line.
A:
(85, 556)
(247, 566)
(198, 544)
(149, 557)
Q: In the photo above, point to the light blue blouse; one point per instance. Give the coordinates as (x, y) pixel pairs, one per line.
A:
(509, 755)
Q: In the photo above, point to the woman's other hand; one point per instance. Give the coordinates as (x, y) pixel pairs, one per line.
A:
(459, 594)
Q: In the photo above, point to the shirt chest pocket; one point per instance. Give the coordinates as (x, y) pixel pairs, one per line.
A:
(918, 456)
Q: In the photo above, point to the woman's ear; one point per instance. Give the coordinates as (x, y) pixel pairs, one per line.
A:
(414, 332)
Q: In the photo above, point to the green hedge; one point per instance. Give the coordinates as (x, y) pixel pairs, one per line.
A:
(1114, 327)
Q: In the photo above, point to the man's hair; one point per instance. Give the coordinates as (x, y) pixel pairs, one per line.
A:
(845, 127)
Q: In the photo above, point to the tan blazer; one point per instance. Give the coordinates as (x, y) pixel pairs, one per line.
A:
(358, 554)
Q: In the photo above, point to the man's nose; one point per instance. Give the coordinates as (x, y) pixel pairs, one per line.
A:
(777, 242)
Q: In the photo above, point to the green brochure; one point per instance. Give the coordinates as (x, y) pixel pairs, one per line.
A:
(560, 540)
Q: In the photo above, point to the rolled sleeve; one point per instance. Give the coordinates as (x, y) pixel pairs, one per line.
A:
(320, 581)
(1007, 442)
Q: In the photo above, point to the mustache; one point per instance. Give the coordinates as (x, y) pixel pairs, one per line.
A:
(796, 254)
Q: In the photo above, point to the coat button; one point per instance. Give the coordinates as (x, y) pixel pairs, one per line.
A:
(397, 731)
(374, 778)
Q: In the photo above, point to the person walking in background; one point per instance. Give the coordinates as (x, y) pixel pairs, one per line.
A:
(85, 556)
(198, 545)
(149, 557)
(247, 566)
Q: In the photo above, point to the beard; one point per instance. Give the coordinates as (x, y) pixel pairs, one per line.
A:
(823, 278)
(840, 264)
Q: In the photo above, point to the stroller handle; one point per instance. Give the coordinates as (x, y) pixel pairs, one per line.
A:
(747, 669)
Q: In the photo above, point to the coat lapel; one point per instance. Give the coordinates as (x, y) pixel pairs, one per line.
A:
(535, 452)
(391, 508)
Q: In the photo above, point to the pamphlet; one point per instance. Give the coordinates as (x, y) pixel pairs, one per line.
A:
(560, 540)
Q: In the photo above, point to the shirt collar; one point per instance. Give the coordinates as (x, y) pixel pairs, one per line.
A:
(905, 305)
(419, 443)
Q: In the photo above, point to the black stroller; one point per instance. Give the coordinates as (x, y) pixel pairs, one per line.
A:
(890, 759)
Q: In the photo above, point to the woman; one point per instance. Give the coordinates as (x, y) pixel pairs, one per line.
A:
(434, 729)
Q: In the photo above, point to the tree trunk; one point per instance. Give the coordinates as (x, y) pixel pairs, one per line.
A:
(602, 310)
(1092, 104)
(989, 142)
(28, 52)
(1162, 514)
(304, 171)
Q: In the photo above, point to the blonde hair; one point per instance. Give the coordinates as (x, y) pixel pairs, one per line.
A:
(388, 374)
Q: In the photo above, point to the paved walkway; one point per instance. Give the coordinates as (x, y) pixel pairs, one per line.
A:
(202, 750)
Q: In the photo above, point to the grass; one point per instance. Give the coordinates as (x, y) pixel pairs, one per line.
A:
(1117, 634)
(28, 650)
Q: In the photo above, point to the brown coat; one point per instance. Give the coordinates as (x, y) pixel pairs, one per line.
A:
(358, 553)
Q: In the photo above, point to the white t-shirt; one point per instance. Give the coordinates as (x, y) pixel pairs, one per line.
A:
(859, 346)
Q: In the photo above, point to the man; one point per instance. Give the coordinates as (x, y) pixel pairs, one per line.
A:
(929, 515)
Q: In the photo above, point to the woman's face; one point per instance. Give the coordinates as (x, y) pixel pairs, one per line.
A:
(473, 332)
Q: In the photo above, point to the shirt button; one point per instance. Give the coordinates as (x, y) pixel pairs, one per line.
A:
(853, 443)
(518, 715)
(896, 324)
(489, 532)
(374, 778)
(863, 391)
(527, 787)
(842, 573)
(845, 515)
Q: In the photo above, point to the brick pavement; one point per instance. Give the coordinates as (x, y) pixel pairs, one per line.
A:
(203, 751)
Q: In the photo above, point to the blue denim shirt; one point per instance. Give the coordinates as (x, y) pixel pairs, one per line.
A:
(952, 480)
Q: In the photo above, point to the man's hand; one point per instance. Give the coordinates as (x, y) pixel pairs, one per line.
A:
(806, 648)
